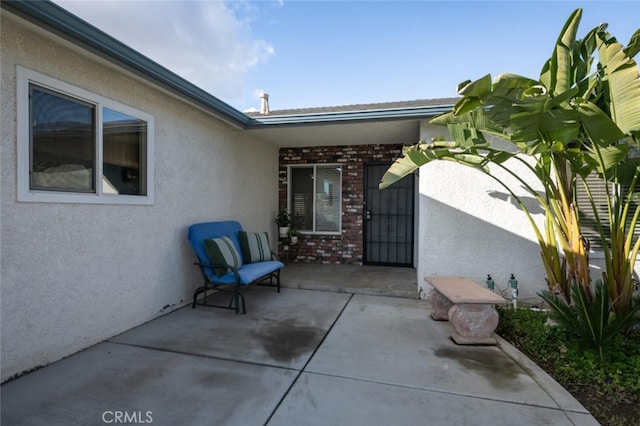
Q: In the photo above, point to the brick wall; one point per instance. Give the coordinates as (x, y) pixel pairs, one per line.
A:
(346, 248)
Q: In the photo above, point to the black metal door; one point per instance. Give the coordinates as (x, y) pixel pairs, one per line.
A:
(388, 221)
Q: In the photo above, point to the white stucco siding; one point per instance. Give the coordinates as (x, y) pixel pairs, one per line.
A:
(75, 274)
(470, 226)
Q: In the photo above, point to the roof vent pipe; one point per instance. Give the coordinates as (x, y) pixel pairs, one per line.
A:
(264, 103)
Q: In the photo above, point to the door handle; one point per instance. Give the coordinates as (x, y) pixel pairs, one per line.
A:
(367, 215)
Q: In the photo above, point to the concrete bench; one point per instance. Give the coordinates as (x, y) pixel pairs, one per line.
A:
(469, 307)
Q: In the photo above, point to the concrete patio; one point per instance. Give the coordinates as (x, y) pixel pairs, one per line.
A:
(313, 357)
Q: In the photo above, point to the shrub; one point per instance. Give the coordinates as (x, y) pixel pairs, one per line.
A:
(591, 320)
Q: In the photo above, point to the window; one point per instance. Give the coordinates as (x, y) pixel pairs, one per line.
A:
(75, 146)
(314, 198)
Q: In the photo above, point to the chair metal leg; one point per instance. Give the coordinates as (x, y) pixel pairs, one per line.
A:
(244, 308)
(236, 301)
(231, 299)
(195, 296)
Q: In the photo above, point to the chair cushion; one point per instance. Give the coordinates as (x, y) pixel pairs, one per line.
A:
(222, 251)
(255, 246)
(250, 272)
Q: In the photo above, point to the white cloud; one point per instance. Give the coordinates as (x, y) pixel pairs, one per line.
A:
(207, 42)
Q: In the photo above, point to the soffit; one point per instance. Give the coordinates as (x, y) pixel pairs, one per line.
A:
(341, 133)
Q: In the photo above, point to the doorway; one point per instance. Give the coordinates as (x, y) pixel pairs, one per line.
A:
(388, 219)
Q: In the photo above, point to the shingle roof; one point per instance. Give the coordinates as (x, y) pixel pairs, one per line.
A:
(358, 107)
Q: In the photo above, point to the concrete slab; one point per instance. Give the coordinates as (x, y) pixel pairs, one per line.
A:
(328, 400)
(383, 361)
(394, 341)
(279, 329)
(356, 279)
(110, 381)
(560, 395)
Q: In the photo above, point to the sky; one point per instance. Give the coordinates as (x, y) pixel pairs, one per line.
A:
(329, 53)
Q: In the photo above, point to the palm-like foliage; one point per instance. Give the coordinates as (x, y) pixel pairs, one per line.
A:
(571, 122)
(591, 319)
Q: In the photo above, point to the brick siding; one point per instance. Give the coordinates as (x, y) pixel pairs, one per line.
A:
(346, 248)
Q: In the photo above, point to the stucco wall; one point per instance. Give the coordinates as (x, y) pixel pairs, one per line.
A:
(471, 227)
(75, 274)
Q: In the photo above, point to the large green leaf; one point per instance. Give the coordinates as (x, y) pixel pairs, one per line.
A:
(418, 155)
(511, 87)
(633, 47)
(557, 74)
(466, 135)
(400, 168)
(621, 74)
(466, 105)
(598, 125)
(583, 59)
(476, 89)
(476, 119)
(610, 156)
(462, 152)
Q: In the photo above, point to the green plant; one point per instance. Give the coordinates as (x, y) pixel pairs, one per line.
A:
(283, 219)
(621, 217)
(574, 120)
(537, 117)
(591, 320)
(526, 329)
(293, 232)
(609, 390)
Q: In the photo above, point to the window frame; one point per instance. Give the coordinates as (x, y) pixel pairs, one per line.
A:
(26, 77)
(289, 186)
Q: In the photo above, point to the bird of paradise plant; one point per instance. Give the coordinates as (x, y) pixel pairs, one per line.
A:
(571, 122)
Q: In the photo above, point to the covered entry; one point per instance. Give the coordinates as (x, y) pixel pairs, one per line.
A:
(358, 142)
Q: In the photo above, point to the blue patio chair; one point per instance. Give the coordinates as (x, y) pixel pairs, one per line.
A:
(231, 259)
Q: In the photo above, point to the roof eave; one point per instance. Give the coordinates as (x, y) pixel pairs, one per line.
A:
(58, 20)
(351, 116)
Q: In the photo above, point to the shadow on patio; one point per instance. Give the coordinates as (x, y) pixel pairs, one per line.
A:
(298, 357)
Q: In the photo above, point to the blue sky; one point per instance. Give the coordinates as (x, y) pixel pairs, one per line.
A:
(324, 53)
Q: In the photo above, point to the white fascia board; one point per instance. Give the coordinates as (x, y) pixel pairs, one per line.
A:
(362, 115)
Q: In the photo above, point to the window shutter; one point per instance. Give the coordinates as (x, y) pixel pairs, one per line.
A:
(587, 218)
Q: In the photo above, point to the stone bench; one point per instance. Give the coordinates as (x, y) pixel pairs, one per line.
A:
(469, 307)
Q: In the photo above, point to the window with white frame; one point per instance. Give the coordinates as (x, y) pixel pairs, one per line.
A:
(315, 197)
(76, 146)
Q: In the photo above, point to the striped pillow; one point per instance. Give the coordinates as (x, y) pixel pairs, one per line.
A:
(255, 246)
(222, 251)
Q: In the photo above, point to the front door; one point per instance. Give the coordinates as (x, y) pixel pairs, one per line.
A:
(388, 221)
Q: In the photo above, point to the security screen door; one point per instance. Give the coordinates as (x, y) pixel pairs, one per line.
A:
(388, 221)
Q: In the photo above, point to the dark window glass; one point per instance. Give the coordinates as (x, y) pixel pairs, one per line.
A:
(63, 141)
(124, 141)
(315, 198)
(302, 198)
